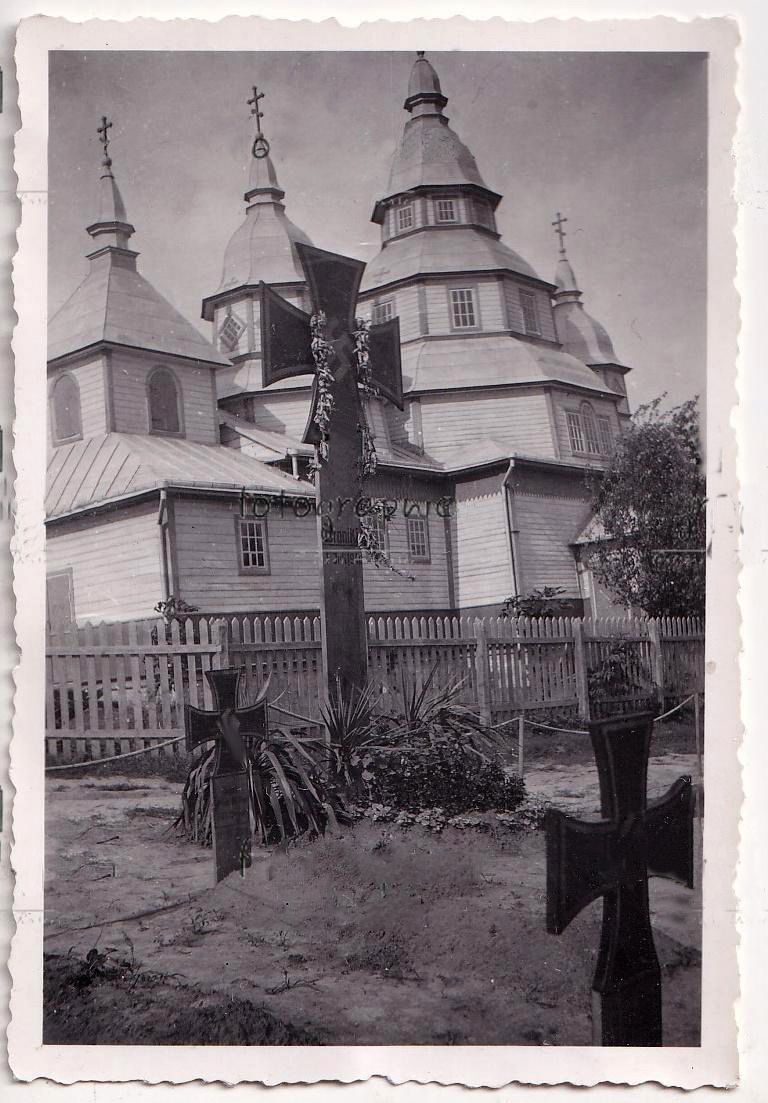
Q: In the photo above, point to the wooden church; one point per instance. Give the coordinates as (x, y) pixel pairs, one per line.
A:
(158, 436)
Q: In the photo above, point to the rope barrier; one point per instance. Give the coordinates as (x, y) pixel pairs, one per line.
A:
(580, 731)
(316, 723)
(114, 757)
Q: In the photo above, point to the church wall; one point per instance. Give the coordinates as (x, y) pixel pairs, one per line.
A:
(285, 412)
(562, 401)
(514, 417)
(90, 378)
(488, 304)
(514, 311)
(130, 412)
(115, 559)
(482, 566)
(208, 560)
(549, 510)
(385, 590)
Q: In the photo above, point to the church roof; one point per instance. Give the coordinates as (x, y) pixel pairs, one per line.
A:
(578, 332)
(462, 249)
(462, 362)
(430, 153)
(114, 303)
(115, 466)
(264, 246)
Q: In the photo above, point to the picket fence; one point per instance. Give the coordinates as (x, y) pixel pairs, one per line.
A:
(112, 688)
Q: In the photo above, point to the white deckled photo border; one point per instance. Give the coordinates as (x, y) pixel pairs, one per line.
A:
(715, 1061)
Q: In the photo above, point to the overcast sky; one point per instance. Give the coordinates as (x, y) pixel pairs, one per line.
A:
(617, 142)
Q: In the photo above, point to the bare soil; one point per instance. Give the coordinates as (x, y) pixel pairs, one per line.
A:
(378, 936)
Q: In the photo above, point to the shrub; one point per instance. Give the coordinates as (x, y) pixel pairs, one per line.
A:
(440, 769)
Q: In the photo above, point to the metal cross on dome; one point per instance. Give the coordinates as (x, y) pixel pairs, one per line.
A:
(558, 224)
(286, 337)
(613, 858)
(260, 144)
(103, 133)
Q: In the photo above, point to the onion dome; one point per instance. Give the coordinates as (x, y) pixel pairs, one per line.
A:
(578, 332)
(115, 304)
(264, 245)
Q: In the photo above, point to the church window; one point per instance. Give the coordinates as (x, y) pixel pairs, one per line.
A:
(254, 553)
(378, 529)
(530, 312)
(463, 307)
(418, 539)
(590, 428)
(446, 210)
(575, 433)
(163, 394)
(230, 332)
(405, 217)
(382, 312)
(605, 434)
(67, 423)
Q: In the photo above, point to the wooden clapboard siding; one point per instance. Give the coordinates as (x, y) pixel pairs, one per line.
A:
(91, 380)
(562, 401)
(546, 524)
(405, 426)
(285, 412)
(514, 311)
(115, 561)
(128, 380)
(384, 589)
(490, 314)
(514, 417)
(208, 560)
(482, 562)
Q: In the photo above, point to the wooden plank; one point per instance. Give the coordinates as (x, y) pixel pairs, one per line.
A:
(178, 678)
(122, 696)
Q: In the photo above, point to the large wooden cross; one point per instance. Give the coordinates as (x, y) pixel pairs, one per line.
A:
(228, 726)
(333, 283)
(613, 858)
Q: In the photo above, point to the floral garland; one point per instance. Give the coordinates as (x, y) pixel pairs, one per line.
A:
(323, 354)
(369, 461)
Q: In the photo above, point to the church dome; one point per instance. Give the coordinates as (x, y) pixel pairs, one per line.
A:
(431, 153)
(264, 245)
(578, 332)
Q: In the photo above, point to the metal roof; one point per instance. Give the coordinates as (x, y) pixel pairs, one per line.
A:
(113, 466)
(115, 304)
(460, 363)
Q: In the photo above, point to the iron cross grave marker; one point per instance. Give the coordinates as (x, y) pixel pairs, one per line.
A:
(228, 726)
(613, 858)
(286, 341)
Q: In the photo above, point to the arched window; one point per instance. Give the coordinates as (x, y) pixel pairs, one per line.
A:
(163, 395)
(67, 423)
(590, 428)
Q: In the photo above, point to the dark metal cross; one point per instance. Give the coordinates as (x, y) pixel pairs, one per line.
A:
(253, 103)
(228, 725)
(558, 224)
(103, 133)
(613, 858)
(334, 282)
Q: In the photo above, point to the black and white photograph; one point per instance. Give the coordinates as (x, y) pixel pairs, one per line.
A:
(376, 549)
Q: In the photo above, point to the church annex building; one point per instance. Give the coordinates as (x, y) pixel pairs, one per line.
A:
(157, 435)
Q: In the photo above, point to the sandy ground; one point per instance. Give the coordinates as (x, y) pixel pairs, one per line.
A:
(381, 936)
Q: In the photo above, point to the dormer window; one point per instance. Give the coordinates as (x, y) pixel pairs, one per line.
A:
(383, 312)
(463, 308)
(65, 400)
(530, 313)
(163, 399)
(405, 217)
(445, 210)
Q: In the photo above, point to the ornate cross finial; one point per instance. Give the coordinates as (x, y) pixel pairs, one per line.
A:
(260, 143)
(103, 133)
(558, 224)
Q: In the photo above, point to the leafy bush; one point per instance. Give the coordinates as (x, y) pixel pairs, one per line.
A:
(289, 794)
(440, 768)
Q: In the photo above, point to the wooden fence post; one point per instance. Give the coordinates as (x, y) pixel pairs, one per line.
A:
(657, 658)
(521, 746)
(580, 666)
(220, 637)
(482, 670)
